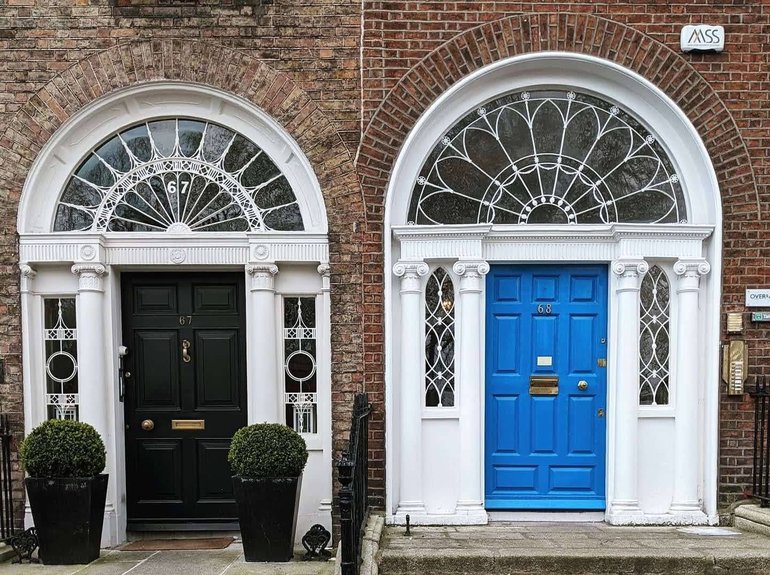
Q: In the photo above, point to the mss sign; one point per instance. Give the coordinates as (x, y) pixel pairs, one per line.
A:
(702, 38)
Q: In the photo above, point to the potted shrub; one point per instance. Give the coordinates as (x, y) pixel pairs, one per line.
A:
(67, 490)
(267, 460)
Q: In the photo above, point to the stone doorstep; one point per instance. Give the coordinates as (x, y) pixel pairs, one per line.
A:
(751, 517)
(559, 562)
(6, 552)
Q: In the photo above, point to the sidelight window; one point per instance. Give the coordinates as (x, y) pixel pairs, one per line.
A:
(439, 340)
(654, 338)
(300, 373)
(178, 175)
(547, 157)
(61, 358)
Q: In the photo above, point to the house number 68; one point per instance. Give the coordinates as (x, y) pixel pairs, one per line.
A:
(541, 309)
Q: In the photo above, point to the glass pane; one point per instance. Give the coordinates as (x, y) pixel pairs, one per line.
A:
(654, 338)
(547, 157)
(61, 358)
(300, 369)
(179, 175)
(439, 340)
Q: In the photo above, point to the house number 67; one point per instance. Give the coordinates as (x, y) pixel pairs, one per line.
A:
(185, 319)
(541, 309)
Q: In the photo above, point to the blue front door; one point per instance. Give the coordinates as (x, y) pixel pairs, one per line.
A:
(546, 386)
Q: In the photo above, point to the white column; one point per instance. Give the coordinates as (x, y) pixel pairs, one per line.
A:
(469, 385)
(92, 376)
(625, 500)
(265, 392)
(34, 405)
(323, 360)
(687, 382)
(411, 389)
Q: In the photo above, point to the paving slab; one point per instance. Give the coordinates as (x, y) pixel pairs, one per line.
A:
(572, 549)
(227, 561)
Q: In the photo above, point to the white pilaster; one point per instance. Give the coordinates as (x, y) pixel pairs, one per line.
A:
(264, 391)
(470, 502)
(34, 406)
(686, 502)
(624, 507)
(323, 341)
(92, 376)
(412, 389)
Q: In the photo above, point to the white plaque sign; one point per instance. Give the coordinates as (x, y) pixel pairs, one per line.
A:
(758, 297)
(702, 37)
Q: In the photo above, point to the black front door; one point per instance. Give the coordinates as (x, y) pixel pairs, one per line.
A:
(185, 396)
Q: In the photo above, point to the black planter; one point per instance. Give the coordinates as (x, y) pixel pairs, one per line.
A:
(68, 514)
(267, 512)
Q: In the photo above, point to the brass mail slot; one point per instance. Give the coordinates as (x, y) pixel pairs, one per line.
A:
(188, 424)
(543, 385)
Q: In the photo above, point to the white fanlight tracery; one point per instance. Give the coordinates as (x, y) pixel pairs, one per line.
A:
(178, 175)
(549, 157)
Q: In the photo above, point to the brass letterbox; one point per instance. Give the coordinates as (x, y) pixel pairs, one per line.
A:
(543, 385)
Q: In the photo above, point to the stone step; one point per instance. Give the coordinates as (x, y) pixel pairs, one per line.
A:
(572, 549)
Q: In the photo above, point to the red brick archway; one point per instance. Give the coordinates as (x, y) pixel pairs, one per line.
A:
(492, 41)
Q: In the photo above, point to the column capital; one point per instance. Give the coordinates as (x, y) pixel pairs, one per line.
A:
(262, 276)
(27, 275)
(89, 276)
(409, 268)
(468, 268)
(325, 272)
(691, 267)
(630, 267)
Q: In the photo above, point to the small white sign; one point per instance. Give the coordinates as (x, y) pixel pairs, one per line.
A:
(702, 37)
(758, 297)
(544, 361)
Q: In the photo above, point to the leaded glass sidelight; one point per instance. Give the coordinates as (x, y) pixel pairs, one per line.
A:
(439, 340)
(61, 358)
(300, 374)
(178, 175)
(654, 338)
(547, 157)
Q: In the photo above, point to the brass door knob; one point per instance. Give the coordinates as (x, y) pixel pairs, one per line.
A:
(148, 425)
(582, 385)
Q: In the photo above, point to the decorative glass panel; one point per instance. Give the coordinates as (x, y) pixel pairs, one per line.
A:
(547, 157)
(654, 338)
(179, 176)
(439, 340)
(61, 358)
(300, 376)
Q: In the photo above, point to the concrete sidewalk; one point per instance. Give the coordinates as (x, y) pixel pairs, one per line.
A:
(210, 562)
(573, 548)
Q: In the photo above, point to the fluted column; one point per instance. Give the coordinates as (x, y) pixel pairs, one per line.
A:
(470, 388)
(686, 459)
(34, 408)
(625, 500)
(264, 394)
(411, 387)
(92, 379)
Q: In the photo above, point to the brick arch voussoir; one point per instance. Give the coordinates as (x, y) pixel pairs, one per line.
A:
(193, 61)
(492, 41)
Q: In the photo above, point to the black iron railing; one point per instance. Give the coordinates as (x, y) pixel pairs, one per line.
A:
(7, 523)
(353, 470)
(761, 473)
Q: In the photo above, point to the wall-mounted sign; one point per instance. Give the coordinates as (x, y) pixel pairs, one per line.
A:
(702, 38)
(760, 316)
(758, 297)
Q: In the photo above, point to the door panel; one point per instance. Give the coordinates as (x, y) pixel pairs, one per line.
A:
(185, 335)
(546, 449)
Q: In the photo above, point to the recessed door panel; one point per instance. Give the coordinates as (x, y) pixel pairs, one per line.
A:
(185, 396)
(545, 387)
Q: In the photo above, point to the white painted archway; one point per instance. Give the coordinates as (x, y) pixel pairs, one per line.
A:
(429, 450)
(87, 266)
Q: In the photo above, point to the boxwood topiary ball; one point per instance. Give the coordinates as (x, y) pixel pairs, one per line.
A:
(267, 450)
(63, 448)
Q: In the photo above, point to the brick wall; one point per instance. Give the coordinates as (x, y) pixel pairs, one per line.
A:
(415, 50)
